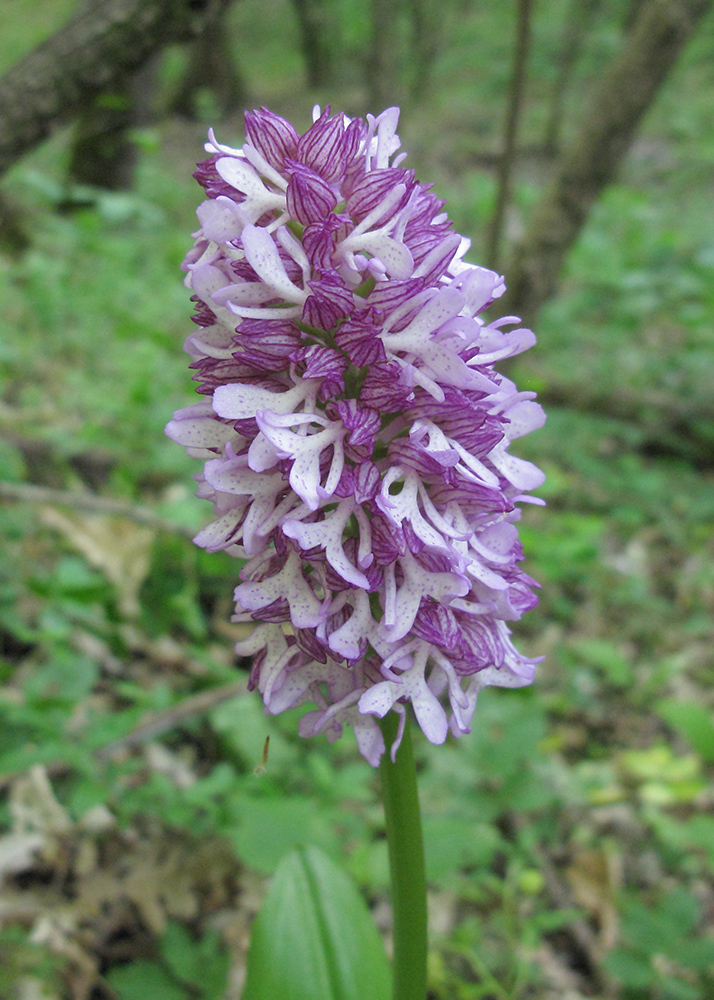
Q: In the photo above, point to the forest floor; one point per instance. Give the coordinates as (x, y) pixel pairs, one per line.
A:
(570, 838)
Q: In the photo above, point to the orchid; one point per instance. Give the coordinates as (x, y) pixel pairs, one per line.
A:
(355, 433)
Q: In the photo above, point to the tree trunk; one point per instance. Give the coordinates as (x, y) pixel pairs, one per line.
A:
(104, 42)
(317, 39)
(577, 19)
(513, 114)
(626, 90)
(426, 41)
(13, 236)
(212, 68)
(104, 153)
(383, 77)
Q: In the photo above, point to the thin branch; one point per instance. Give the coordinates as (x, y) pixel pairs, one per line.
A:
(317, 30)
(161, 722)
(103, 42)
(577, 20)
(152, 726)
(515, 104)
(589, 163)
(29, 493)
(383, 55)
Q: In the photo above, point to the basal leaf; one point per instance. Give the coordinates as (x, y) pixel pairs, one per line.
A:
(314, 938)
(695, 723)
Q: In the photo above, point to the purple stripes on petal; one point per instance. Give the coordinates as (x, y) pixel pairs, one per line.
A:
(403, 452)
(367, 482)
(278, 611)
(474, 499)
(212, 182)
(362, 423)
(204, 315)
(319, 239)
(362, 482)
(266, 344)
(424, 209)
(479, 645)
(309, 197)
(212, 372)
(324, 146)
(416, 545)
(324, 363)
(271, 135)
(307, 640)
(385, 388)
(346, 485)
(359, 338)
(437, 624)
(387, 540)
(329, 302)
(460, 417)
(374, 187)
(391, 295)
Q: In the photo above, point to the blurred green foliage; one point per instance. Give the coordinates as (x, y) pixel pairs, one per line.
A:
(185, 969)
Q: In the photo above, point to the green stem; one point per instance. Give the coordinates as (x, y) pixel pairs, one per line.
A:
(406, 861)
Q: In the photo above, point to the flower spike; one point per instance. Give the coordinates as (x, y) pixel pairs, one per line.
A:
(354, 430)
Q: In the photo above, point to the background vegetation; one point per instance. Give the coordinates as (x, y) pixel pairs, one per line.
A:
(570, 838)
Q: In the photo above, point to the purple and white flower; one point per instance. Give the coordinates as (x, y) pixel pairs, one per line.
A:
(355, 432)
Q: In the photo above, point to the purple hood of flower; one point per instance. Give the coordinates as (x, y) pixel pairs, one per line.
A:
(354, 430)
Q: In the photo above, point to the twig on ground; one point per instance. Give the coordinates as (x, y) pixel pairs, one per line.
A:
(29, 493)
(159, 722)
(152, 726)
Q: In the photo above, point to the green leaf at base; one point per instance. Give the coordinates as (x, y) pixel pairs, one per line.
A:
(314, 939)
